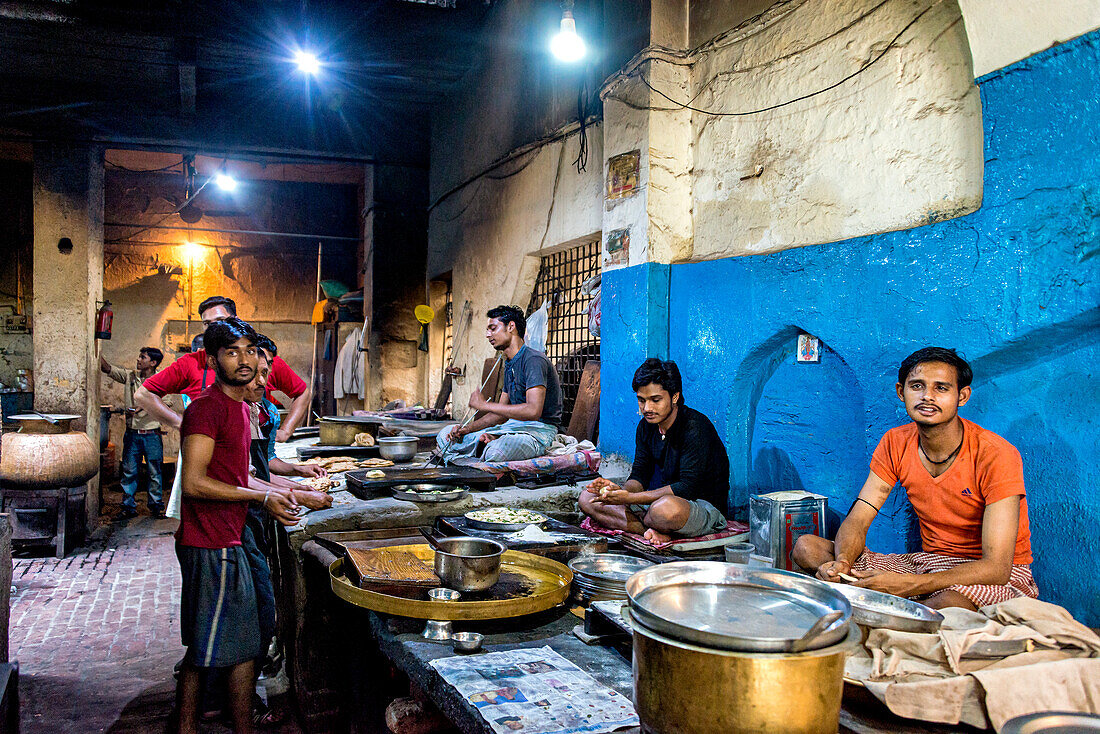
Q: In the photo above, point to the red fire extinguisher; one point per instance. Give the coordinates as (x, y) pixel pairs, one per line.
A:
(103, 319)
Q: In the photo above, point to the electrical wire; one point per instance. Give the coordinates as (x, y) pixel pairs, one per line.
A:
(142, 170)
(170, 214)
(857, 72)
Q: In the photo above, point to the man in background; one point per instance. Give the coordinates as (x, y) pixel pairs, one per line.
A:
(528, 417)
(189, 375)
(143, 436)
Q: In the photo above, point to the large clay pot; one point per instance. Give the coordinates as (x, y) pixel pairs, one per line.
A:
(44, 455)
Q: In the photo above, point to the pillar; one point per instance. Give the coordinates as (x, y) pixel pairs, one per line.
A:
(68, 203)
(656, 219)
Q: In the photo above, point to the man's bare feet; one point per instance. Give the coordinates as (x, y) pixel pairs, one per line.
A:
(655, 537)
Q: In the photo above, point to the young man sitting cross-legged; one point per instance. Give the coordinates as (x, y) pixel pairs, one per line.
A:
(966, 485)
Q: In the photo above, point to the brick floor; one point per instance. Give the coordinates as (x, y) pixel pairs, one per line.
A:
(96, 634)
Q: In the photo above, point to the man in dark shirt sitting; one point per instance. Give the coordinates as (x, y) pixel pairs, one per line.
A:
(680, 476)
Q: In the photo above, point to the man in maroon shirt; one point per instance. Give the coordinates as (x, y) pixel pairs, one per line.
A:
(219, 623)
(189, 375)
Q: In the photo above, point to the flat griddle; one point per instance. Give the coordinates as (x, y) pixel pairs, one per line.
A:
(356, 452)
(451, 476)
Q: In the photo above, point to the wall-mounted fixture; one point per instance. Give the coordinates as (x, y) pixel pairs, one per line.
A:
(65, 246)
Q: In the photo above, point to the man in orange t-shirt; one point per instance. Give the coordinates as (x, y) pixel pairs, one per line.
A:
(966, 485)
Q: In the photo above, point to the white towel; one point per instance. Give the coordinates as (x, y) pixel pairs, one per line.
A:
(348, 378)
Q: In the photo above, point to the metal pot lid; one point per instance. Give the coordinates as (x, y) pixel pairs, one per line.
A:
(43, 416)
(876, 609)
(1053, 722)
(365, 419)
(736, 607)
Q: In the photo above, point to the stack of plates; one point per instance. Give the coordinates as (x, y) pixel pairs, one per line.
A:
(603, 576)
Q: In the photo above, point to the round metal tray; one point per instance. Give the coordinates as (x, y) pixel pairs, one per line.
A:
(502, 527)
(539, 582)
(735, 607)
(420, 496)
(880, 610)
(1053, 722)
(608, 569)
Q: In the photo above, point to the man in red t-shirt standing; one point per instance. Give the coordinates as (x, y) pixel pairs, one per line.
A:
(966, 486)
(219, 623)
(189, 375)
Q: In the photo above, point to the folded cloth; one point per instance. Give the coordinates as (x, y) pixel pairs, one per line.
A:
(565, 444)
(931, 677)
(733, 527)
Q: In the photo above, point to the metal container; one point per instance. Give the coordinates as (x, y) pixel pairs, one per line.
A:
(340, 430)
(885, 611)
(735, 607)
(467, 641)
(778, 519)
(469, 564)
(745, 692)
(420, 493)
(397, 448)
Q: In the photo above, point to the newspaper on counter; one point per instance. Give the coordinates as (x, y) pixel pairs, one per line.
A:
(536, 691)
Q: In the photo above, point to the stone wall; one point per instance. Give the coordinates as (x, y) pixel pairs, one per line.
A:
(1012, 285)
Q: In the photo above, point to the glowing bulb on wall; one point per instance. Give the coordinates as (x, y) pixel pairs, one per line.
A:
(225, 182)
(307, 62)
(192, 251)
(567, 46)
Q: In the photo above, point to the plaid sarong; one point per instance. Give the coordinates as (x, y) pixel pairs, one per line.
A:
(1020, 581)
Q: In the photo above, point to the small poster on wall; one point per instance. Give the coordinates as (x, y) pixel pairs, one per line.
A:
(809, 348)
(622, 174)
(617, 248)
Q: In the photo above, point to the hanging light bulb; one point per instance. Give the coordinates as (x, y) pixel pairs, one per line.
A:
(567, 46)
(307, 63)
(225, 182)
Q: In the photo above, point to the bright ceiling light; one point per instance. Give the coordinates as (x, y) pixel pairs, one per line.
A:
(567, 46)
(225, 182)
(307, 62)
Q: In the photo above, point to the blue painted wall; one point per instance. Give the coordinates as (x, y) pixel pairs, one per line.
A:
(1013, 286)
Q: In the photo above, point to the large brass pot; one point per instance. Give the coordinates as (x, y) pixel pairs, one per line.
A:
(45, 455)
(680, 688)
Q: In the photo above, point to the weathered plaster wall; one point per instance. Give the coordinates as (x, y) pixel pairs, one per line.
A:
(155, 283)
(895, 147)
(1002, 32)
(489, 234)
(1013, 286)
(399, 249)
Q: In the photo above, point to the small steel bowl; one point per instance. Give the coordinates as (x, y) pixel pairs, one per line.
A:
(443, 595)
(397, 448)
(467, 641)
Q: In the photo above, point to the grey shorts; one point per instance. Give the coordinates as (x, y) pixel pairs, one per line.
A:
(218, 620)
(703, 520)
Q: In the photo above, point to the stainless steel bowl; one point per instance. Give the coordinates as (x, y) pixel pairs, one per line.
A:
(397, 448)
(467, 641)
(468, 564)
